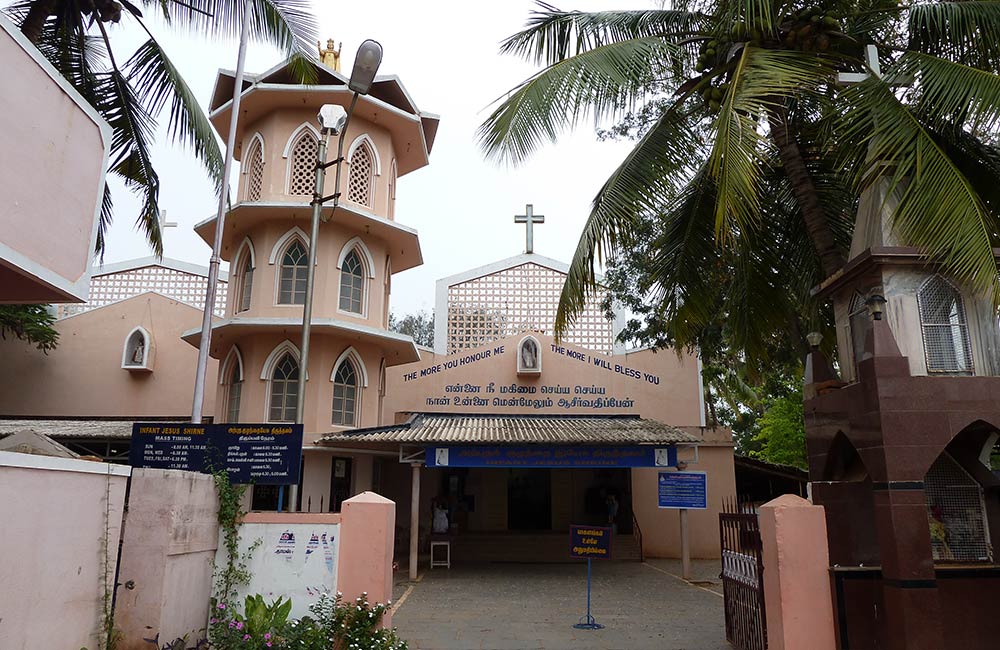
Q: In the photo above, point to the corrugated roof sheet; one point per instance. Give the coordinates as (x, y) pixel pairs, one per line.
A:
(427, 428)
(70, 428)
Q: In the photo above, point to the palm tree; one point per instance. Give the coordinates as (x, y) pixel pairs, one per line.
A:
(74, 36)
(751, 149)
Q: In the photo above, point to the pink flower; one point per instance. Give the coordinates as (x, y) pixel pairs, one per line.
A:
(222, 605)
(214, 620)
(246, 637)
(232, 623)
(239, 625)
(268, 644)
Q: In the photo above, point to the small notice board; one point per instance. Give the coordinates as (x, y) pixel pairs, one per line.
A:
(265, 454)
(590, 542)
(687, 490)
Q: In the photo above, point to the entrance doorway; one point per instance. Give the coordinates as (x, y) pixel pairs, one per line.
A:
(340, 482)
(529, 499)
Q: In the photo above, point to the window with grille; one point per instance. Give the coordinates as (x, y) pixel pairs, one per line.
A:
(956, 513)
(245, 285)
(362, 175)
(345, 394)
(234, 393)
(944, 327)
(302, 171)
(352, 283)
(860, 324)
(284, 390)
(254, 162)
(292, 276)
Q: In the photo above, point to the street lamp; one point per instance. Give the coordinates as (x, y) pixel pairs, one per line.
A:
(333, 120)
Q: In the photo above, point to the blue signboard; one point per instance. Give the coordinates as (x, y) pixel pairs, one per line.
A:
(682, 490)
(590, 542)
(265, 454)
(552, 456)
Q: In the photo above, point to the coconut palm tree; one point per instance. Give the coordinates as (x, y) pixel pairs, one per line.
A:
(74, 36)
(751, 146)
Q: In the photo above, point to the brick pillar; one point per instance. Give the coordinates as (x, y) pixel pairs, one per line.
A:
(797, 596)
(368, 527)
(912, 604)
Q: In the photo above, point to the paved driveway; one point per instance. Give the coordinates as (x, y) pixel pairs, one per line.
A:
(525, 606)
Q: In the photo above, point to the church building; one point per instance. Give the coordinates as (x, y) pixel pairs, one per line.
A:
(511, 433)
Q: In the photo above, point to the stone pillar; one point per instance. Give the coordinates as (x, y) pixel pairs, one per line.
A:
(909, 584)
(796, 575)
(367, 525)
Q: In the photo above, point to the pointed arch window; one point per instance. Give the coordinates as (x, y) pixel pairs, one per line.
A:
(944, 327)
(345, 394)
(292, 275)
(234, 392)
(352, 283)
(860, 323)
(254, 170)
(392, 189)
(244, 283)
(302, 166)
(361, 180)
(284, 390)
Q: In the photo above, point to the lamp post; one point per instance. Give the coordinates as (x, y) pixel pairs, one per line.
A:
(333, 120)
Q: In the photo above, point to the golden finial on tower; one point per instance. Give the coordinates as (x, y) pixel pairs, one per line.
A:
(330, 57)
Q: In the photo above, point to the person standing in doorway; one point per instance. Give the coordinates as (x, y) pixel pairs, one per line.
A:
(612, 502)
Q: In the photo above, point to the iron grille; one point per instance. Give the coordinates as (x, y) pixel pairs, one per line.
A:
(944, 326)
(302, 177)
(956, 513)
(359, 185)
(255, 172)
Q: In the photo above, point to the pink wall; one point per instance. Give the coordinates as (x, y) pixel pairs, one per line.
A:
(84, 377)
(796, 575)
(366, 545)
(57, 545)
(54, 145)
(170, 538)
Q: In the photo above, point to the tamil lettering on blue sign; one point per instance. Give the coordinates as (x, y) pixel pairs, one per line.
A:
(682, 490)
(265, 454)
(552, 456)
(590, 542)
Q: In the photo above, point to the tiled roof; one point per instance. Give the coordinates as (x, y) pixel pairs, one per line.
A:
(429, 428)
(121, 429)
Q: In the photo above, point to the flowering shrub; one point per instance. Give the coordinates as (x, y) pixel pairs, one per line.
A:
(334, 625)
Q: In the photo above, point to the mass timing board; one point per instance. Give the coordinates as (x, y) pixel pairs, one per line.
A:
(265, 454)
(552, 456)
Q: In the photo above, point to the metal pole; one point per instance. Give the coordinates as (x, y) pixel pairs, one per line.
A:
(414, 519)
(317, 208)
(590, 619)
(213, 265)
(685, 546)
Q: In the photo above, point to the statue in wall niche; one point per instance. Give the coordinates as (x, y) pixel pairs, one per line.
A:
(138, 354)
(529, 355)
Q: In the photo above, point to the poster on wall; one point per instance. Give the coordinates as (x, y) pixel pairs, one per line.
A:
(264, 454)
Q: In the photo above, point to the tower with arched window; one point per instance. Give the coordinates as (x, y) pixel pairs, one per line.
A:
(267, 245)
(902, 431)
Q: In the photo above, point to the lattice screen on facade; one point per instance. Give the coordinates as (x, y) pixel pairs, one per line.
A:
(359, 185)
(255, 172)
(302, 177)
(956, 513)
(513, 300)
(115, 287)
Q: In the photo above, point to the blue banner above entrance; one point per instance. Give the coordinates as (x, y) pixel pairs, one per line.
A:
(552, 456)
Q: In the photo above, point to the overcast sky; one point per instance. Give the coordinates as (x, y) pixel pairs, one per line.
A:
(446, 53)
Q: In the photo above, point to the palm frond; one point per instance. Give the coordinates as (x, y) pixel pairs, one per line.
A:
(552, 35)
(762, 80)
(155, 80)
(602, 82)
(939, 210)
(653, 171)
(104, 223)
(951, 93)
(967, 32)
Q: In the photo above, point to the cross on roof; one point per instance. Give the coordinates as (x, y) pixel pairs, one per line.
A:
(163, 221)
(871, 58)
(529, 219)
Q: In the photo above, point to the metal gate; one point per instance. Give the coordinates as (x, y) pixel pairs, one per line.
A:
(742, 577)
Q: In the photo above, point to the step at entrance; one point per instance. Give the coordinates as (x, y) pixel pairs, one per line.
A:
(513, 547)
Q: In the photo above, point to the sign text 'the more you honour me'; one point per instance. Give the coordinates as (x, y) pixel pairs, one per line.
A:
(265, 454)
